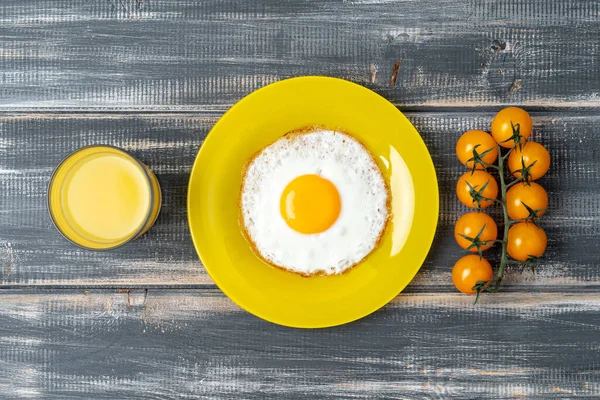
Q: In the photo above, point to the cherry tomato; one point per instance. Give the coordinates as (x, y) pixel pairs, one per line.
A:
(502, 130)
(484, 142)
(525, 240)
(468, 270)
(533, 195)
(477, 180)
(470, 224)
(531, 153)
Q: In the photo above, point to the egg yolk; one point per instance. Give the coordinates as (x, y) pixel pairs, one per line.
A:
(310, 204)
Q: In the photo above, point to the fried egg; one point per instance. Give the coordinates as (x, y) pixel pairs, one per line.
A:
(314, 202)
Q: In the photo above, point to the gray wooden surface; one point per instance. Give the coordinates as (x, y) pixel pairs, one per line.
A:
(145, 321)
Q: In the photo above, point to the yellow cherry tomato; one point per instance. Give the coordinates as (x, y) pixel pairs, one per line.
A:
(478, 181)
(470, 224)
(502, 130)
(531, 153)
(480, 141)
(468, 271)
(531, 194)
(526, 240)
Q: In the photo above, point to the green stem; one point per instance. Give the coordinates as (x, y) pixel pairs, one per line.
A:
(503, 187)
(515, 182)
(516, 221)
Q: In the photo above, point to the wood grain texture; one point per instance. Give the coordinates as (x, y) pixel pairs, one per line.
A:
(33, 253)
(190, 344)
(153, 76)
(168, 144)
(183, 54)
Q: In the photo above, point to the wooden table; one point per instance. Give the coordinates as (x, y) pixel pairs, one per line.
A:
(153, 76)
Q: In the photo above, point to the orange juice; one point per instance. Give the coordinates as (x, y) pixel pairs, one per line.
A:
(101, 197)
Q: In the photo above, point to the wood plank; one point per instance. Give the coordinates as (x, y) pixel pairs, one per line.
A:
(33, 253)
(163, 54)
(190, 344)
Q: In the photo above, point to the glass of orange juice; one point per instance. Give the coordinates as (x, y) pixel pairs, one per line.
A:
(101, 197)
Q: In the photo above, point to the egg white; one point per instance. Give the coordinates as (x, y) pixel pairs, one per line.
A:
(364, 202)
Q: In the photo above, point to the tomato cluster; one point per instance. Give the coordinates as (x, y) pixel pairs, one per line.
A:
(523, 200)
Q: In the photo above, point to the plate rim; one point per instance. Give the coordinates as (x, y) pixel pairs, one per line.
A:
(250, 309)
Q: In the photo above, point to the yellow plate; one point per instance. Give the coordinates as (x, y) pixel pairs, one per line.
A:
(258, 120)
